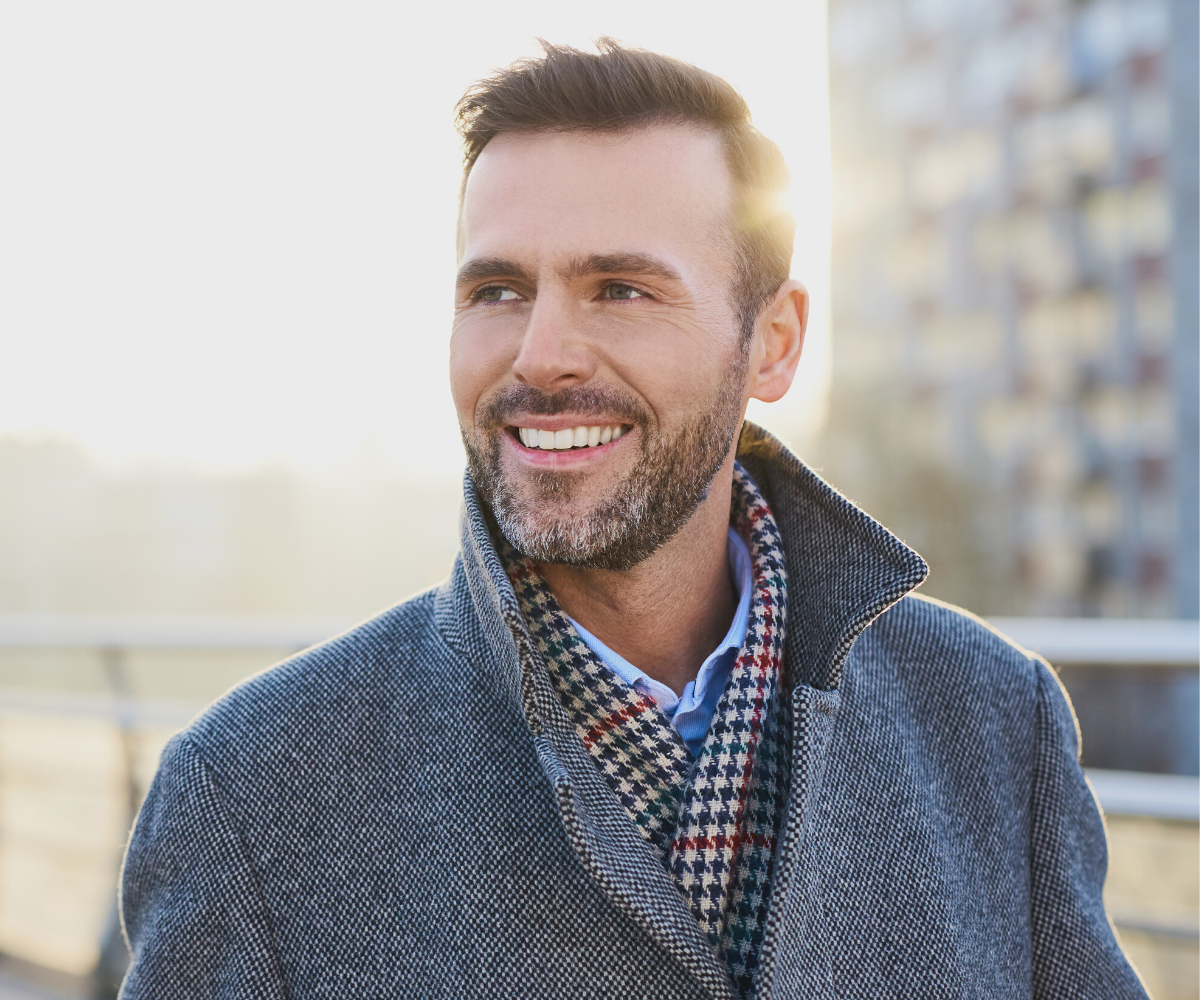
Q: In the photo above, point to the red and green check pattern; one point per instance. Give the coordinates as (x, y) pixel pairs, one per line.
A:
(713, 820)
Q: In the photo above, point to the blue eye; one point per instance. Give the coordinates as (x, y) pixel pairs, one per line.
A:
(623, 292)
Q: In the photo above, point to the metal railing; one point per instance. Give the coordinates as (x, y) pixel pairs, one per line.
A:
(1112, 642)
(1108, 641)
(1060, 640)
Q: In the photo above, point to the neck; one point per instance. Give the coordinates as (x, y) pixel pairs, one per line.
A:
(671, 610)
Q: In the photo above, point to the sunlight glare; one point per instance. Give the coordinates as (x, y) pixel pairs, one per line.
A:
(227, 229)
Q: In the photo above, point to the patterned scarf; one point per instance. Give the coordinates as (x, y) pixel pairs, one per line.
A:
(713, 820)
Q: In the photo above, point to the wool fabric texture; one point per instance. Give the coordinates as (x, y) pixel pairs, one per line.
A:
(407, 810)
(714, 820)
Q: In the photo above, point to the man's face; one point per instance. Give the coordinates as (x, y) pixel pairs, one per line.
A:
(594, 292)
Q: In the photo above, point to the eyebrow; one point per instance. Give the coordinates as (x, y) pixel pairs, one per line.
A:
(620, 263)
(491, 267)
(642, 264)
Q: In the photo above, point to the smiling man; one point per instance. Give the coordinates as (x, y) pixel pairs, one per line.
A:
(675, 726)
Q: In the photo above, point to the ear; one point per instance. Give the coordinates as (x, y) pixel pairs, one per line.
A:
(778, 340)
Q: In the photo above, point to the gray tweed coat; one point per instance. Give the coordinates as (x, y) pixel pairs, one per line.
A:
(406, 810)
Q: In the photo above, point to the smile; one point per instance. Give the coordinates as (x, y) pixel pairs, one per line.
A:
(569, 437)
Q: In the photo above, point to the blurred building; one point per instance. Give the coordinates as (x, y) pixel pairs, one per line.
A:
(1015, 295)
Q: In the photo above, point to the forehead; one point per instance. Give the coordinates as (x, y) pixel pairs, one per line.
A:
(662, 190)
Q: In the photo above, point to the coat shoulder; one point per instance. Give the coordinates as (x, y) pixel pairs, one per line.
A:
(941, 705)
(951, 644)
(340, 691)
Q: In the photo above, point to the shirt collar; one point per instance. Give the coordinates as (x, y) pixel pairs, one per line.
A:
(715, 668)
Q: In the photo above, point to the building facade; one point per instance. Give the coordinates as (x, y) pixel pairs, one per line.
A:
(1015, 295)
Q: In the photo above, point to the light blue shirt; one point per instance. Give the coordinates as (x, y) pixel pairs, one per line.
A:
(691, 713)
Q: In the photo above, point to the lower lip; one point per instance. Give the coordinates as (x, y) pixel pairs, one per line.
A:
(547, 458)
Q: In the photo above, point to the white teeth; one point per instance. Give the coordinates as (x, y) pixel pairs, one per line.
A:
(569, 437)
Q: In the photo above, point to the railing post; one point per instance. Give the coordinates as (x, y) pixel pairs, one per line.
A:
(114, 955)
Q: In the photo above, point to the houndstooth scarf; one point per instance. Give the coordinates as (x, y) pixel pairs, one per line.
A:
(713, 820)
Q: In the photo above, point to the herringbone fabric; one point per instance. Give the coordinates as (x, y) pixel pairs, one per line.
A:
(713, 821)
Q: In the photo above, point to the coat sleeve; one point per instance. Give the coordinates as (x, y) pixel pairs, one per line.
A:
(1075, 950)
(190, 905)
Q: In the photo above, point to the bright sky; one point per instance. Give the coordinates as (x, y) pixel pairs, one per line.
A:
(226, 229)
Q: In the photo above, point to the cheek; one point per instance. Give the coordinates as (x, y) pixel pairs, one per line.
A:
(479, 360)
(677, 369)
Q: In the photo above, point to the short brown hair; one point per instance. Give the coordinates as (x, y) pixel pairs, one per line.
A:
(619, 88)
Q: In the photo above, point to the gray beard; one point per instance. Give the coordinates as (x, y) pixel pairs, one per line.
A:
(656, 499)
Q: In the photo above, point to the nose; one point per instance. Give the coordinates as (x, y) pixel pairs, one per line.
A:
(554, 354)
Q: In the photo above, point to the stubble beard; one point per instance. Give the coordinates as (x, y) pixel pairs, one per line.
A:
(645, 510)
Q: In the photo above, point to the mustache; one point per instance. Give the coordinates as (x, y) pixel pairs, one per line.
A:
(584, 400)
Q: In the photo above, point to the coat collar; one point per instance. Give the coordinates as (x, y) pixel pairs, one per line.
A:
(844, 567)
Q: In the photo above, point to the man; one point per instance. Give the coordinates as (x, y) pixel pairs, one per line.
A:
(672, 727)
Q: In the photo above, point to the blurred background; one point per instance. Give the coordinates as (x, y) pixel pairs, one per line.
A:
(226, 268)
